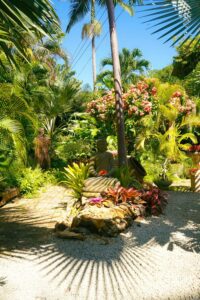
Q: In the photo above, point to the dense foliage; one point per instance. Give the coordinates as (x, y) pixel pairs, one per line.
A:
(157, 116)
(39, 90)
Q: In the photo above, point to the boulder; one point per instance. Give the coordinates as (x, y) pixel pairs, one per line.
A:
(8, 195)
(107, 221)
(68, 234)
(61, 226)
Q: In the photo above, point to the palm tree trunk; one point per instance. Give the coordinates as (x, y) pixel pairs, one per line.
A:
(122, 160)
(93, 45)
(94, 63)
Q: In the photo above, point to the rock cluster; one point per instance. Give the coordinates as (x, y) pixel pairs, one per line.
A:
(105, 221)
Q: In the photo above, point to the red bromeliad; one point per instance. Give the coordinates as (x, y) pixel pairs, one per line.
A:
(121, 194)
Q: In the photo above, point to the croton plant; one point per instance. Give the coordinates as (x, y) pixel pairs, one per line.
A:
(152, 198)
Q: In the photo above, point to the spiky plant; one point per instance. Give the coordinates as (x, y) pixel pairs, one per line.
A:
(75, 176)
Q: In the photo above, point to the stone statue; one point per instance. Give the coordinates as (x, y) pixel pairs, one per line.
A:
(42, 144)
(101, 169)
(102, 164)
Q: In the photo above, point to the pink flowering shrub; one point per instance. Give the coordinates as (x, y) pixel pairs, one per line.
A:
(182, 103)
(139, 100)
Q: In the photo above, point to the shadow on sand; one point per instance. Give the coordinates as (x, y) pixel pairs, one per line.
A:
(128, 259)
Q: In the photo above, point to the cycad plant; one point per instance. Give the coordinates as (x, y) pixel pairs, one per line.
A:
(167, 134)
(174, 141)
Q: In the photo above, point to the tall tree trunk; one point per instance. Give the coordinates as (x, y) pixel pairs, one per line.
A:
(93, 45)
(122, 160)
(94, 63)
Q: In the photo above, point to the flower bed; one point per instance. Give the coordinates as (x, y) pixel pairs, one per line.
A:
(114, 210)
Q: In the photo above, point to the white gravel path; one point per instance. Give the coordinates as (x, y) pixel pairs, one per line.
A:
(160, 259)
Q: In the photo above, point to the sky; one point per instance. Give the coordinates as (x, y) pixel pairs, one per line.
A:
(132, 33)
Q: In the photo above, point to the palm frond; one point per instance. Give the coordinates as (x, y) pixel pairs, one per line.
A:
(21, 18)
(191, 120)
(169, 112)
(128, 8)
(91, 29)
(176, 20)
(78, 9)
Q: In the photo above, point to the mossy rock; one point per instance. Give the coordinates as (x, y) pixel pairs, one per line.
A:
(104, 221)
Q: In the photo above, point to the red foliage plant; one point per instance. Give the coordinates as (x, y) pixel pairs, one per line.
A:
(194, 170)
(194, 148)
(121, 194)
(155, 199)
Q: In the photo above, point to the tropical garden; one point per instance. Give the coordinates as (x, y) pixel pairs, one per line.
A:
(150, 115)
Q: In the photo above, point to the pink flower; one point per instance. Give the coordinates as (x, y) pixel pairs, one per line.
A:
(153, 91)
(147, 109)
(177, 94)
(134, 108)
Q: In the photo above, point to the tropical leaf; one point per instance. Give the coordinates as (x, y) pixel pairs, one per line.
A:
(75, 176)
(169, 112)
(91, 29)
(187, 136)
(22, 18)
(176, 20)
(191, 120)
(126, 7)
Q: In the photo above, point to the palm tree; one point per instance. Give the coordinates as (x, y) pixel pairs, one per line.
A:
(15, 115)
(122, 160)
(19, 18)
(80, 9)
(91, 30)
(131, 64)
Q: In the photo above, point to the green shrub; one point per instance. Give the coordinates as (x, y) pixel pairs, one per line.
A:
(75, 176)
(70, 149)
(57, 174)
(2, 183)
(123, 174)
(12, 173)
(31, 180)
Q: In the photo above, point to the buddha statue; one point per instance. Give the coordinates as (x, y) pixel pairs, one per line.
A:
(102, 170)
(102, 164)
